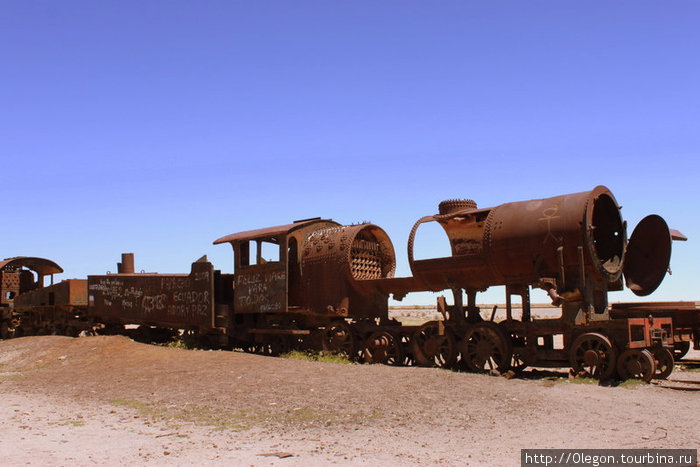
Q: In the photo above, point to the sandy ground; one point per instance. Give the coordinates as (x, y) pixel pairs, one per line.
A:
(110, 401)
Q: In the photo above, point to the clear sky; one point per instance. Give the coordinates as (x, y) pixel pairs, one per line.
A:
(155, 127)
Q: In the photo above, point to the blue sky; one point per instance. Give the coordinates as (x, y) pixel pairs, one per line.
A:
(157, 127)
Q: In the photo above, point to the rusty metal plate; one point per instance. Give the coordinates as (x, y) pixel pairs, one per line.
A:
(261, 289)
(648, 255)
(174, 300)
(70, 292)
(684, 314)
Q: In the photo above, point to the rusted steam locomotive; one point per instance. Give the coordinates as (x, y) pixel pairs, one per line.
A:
(318, 284)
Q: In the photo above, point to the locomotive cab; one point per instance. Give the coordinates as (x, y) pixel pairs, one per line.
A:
(18, 276)
(312, 267)
(22, 274)
(267, 266)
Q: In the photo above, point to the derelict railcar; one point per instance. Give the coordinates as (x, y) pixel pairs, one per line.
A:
(21, 275)
(316, 283)
(303, 281)
(574, 247)
(195, 302)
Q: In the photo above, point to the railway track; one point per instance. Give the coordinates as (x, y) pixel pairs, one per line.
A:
(689, 363)
(678, 384)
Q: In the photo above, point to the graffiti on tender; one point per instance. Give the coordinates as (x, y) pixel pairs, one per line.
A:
(157, 297)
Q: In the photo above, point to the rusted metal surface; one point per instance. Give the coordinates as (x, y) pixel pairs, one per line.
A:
(13, 283)
(648, 256)
(177, 300)
(320, 268)
(648, 332)
(339, 264)
(271, 286)
(45, 267)
(686, 312)
(318, 284)
(55, 309)
(67, 293)
(684, 316)
(271, 232)
(16, 276)
(637, 364)
(127, 264)
(261, 289)
(594, 354)
(567, 239)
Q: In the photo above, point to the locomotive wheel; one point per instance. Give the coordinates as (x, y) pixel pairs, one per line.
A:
(340, 338)
(112, 329)
(383, 347)
(261, 349)
(664, 362)
(433, 349)
(406, 343)
(143, 334)
(248, 347)
(637, 364)
(279, 345)
(594, 354)
(6, 330)
(519, 359)
(680, 349)
(486, 347)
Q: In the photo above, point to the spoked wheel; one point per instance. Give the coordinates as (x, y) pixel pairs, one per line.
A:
(594, 354)
(636, 364)
(680, 349)
(248, 347)
(520, 358)
(383, 347)
(435, 346)
(260, 348)
(664, 362)
(278, 345)
(269, 348)
(405, 340)
(486, 347)
(7, 331)
(340, 338)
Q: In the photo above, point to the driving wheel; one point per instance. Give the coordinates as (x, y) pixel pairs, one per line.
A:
(636, 364)
(593, 354)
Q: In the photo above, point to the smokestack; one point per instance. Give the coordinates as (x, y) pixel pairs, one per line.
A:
(127, 264)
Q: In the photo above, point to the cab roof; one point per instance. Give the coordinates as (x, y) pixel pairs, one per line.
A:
(271, 231)
(40, 265)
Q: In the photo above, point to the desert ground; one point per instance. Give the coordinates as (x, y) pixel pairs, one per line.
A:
(107, 400)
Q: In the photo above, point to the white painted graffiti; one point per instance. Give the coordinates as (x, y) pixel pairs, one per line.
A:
(201, 276)
(152, 303)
